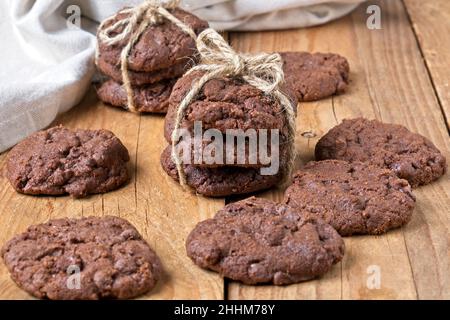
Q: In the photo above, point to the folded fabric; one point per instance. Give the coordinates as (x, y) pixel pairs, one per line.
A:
(47, 63)
(46, 66)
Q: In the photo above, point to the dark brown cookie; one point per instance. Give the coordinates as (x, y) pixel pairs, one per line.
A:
(355, 198)
(159, 47)
(89, 258)
(227, 104)
(259, 241)
(224, 104)
(410, 155)
(152, 98)
(313, 76)
(143, 78)
(59, 161)
(222, 181)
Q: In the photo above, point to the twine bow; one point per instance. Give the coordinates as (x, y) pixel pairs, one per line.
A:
(150, 12)
(263, 71)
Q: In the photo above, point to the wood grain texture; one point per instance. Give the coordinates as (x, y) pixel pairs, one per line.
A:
(162, 212)
(390, 83)
(431, 24)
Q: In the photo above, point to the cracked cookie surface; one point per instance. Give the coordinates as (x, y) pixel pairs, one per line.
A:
(159, 47)
(258, 241)
(60, 161)
(110, 255)
(314, 76)
(355, 198)
(224, 104)
(410, 155)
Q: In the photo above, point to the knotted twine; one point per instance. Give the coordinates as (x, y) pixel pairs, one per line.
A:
(263, 71)
(150, 12)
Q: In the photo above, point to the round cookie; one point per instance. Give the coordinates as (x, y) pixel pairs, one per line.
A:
(61, 161)
(110, 256)
(152, 98)
(222, 181)
(159, 47)
(313, 76)
(410, 155)
(258, 241)
(227, 104)
(355, 198)
(144, 78)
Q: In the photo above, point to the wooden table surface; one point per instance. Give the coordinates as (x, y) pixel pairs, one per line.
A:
(399, 74)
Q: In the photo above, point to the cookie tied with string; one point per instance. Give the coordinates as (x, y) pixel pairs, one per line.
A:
(144, 47)
(230, 97)
(228, 104)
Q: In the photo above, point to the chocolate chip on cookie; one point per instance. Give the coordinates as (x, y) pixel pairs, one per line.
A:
(61, 161)
(258, 241)
(410, 155)
(88, 258)
(355, 198)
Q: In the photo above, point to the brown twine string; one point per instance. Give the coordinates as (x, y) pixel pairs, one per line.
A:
(263, 71)
(150, 12)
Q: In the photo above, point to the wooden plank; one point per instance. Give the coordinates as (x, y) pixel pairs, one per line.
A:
(153, 203)
(403, 92)
(431, 22)
(389, 82)
(170, 214)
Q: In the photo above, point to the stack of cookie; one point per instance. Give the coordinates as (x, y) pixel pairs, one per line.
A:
(162, 53)
(223, 104)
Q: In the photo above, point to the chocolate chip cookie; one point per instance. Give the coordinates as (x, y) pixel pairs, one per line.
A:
(152, 98)
(355, 198)
(258, 241)
(61, 161)
(410, 155)
(313, 76)
(88, 258)
(221, 181)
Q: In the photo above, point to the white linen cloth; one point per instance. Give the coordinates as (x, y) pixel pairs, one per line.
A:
(47, 66)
